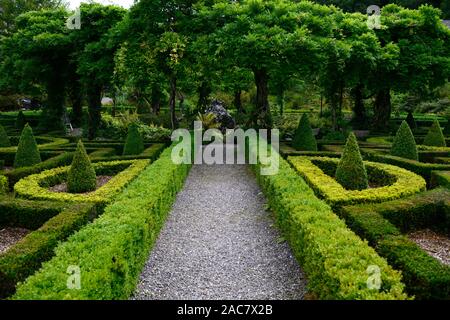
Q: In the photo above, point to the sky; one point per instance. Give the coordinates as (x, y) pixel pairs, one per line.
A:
(73, 4)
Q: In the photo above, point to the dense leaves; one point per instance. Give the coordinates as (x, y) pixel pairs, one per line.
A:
(404, 144)
(27, 152)
(304, 138)
(81, 177)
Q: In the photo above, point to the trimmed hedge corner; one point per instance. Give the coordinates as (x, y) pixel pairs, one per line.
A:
(333, 257)
(112, 251)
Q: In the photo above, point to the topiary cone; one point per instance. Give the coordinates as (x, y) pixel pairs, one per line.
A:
(435, 137)
(21, 121)
(351, 172)
(304, 138)
(4, 139)
(134, 144)
(81, 177)
(404, 145)
(27, 154)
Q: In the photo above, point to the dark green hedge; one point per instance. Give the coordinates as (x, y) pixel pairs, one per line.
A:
(112, 251)
(440, 178)
(27, 256)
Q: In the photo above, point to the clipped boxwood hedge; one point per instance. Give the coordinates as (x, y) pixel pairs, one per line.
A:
(35, 187)
(440, 178)
(112, 251)
(399, 182)
(27, 256)
(333, 257)
(4, 188)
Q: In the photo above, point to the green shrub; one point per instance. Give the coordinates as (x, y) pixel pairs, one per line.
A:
(26, 257)
(134, 144)
(351, 172)
(4, 139)
(304, 138)
(81, 177)
(112, 251)
(27, 152)
(334, 259)
(411, 121)
(404, 145)
(4, 188)
(435, 137)
(35, 187)
(319, 172)
(21, 121)
(440, 178)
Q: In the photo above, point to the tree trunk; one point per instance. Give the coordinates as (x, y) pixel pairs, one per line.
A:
(238, 101)
(262, 110)
(156, 99)
(172, 102)
(382, 110)
(142, 105)
(94, 100)
(76, 99)
(181, 103)
(359, 111)
(54, 110)
(203, 96)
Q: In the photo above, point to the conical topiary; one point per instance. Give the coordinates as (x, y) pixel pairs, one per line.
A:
(4, 139)
(21, 121)
(81, 177)
(411, 121)
(27, 154)
(435, 137)
(304, 138)
(351, 172)
(404, 144)
(134, 144)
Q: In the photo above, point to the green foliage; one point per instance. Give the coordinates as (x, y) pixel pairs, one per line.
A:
(334, 258)
(35, 187)
(26, 257)
(81, 177)
(435, 137)
(208, 121)
(127, 231)
(304, 139)
(21, 121)
(397, 182)
(134, 144)
(27, 151)
(411, 121)
(440, 178)
(4, 139)
(351, 172)
(404, 144)
(4, 188)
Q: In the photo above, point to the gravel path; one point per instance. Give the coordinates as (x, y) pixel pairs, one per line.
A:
(219, 243)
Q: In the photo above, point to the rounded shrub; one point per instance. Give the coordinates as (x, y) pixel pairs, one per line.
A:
(81, 176)
(27, 154)
(134, 144)
(404, 145)
(351, 172)
(435, 137)
(304, 139)
(21, 121)
(4, 139)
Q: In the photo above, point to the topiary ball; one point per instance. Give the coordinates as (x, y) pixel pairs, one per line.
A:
(134, 144)
(435, 137)
(21, 121)
(4, 139)
(404, 144)
(304, 139)
(27, 154)
(81, 177)
(351, 172)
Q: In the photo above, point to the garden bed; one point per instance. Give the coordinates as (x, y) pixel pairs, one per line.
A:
(10, 236)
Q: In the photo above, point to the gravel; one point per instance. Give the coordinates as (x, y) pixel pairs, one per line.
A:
(220, 243)
(10, 236)
(436, 245)
(62, 188)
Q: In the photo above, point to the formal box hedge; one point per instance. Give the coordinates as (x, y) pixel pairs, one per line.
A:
(440, 178)
(26, 257)
(111, 252)
(35, 187)
(319, 174)
(333, 257)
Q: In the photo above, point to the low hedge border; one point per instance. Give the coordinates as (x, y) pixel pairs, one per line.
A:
(442, 160)
(286, 150)
(16, 175)
(382, 225)
(52, 142)
(34, 187)
(4, 189)
(399, 182)
(422, 169)
(27, 256)
(151, 153)
(440, 178)
(112, 251)
(333, 257)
